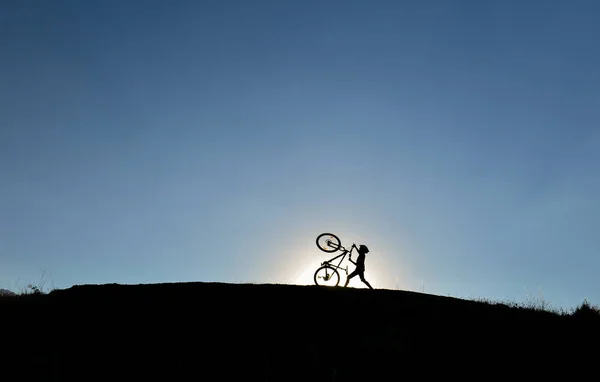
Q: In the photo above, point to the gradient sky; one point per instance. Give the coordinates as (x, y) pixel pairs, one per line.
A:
(171, 141)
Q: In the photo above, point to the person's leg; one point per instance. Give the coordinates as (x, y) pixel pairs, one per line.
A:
(362, 278)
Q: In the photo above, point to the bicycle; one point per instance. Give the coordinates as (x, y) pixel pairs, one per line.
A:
(327, 274)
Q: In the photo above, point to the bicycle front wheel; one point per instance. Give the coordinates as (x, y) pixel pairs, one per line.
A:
(327, 276)
(328, 242)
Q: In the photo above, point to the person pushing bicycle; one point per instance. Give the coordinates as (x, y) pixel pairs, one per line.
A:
(360, 265)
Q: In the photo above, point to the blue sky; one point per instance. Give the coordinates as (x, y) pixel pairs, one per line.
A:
(168, 141)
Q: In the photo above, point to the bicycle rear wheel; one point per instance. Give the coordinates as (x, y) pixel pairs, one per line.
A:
(327, 276)
(328, 242)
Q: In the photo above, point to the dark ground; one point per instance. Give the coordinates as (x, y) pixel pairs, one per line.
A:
(217, 331)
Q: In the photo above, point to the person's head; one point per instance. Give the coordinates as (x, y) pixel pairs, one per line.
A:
(363, 249)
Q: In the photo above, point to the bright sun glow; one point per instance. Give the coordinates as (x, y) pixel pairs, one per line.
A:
(306, 276)
(301, 261)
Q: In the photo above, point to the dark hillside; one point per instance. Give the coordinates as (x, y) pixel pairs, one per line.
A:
(218, 331)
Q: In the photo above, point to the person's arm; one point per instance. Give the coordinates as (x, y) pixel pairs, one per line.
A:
(350, 256)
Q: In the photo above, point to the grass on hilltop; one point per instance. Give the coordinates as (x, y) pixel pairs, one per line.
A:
(45, 286)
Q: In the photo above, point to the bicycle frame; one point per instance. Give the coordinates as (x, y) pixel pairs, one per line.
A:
(342, 255)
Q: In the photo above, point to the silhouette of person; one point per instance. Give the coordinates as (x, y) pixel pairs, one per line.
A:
(360, 265)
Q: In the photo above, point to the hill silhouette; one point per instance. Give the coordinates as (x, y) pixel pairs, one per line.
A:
(273, 332)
